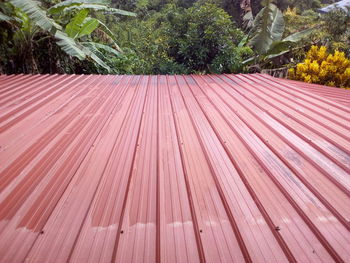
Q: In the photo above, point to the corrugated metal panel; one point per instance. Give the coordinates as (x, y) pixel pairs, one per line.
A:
(341, 96)
(222, 168)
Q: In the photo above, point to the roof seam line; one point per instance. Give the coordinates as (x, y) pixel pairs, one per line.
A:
(298, 121)
(307, 106)
(217, 184)
(188, 188)
(34, 242)
(312, 95)
(297, 173)
(316, 165)
(115, 248)
(250, 189)
(345, 137)
(312, 227)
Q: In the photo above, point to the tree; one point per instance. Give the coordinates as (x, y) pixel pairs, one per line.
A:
(203, 38)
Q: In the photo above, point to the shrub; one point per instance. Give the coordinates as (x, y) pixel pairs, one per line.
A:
(176, 40)
(147, 38)
(337, 23)
(324, 68)
(201, 36)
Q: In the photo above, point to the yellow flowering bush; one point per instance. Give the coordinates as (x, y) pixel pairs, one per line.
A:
(324, 68)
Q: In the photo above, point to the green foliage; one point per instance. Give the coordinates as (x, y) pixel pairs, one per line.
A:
(36, 14)
(69, 46)
(200, 35)
(268, 28)
(266, 37)
(332, 29)
(71, 29)
(230, 60)
(167, 36)
(296, 22)
(337, 24)
(199, 39)
(146, 44)
(5, 18)
(74, 27)
(59, 7)
(300, 5)
(98, 7)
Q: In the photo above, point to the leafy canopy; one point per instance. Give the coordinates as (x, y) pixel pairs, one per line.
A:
(204, 38)
(32, 20)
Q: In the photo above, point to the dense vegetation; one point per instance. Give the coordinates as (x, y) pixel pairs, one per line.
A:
(323, 68)
(169, 36)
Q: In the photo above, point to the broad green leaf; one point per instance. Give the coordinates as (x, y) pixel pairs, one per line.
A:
(4, 17)
(36, 14)
(103, 47)
(277, 24)
(73, 28)
(69, 46)
(89, 25)
(92, 52)
(276, 55)
(23, 19)
(300, 35)
(107, 48)
(14, 20)
(248, 20)
(119, 12)
(110, 34)
(243, 42)
(268, 28)
(90, 47)
(99, 61)
(60, 6)
(96, 7)
(281, 47)
(248, 61)
(278, 47)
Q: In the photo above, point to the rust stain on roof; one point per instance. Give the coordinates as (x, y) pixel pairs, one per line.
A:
(214, 168)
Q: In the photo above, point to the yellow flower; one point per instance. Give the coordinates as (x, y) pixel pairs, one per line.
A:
(322, 54)
(347, 73)
(307, 78)
(291, 11)
(323, 73)
(321, 67)
(314, 66)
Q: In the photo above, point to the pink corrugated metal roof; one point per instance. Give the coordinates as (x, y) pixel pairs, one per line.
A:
(222, 168)
(339, 95)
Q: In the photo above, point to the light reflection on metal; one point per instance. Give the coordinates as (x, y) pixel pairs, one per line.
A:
(213, 168)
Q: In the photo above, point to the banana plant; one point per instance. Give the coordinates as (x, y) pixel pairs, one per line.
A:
(37, 15)
(97, 5)
(5, 18)
(266, 35)
(80, 26)
(26, 21)
(74, 38)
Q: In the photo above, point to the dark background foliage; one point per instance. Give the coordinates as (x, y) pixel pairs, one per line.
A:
(169, 37)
